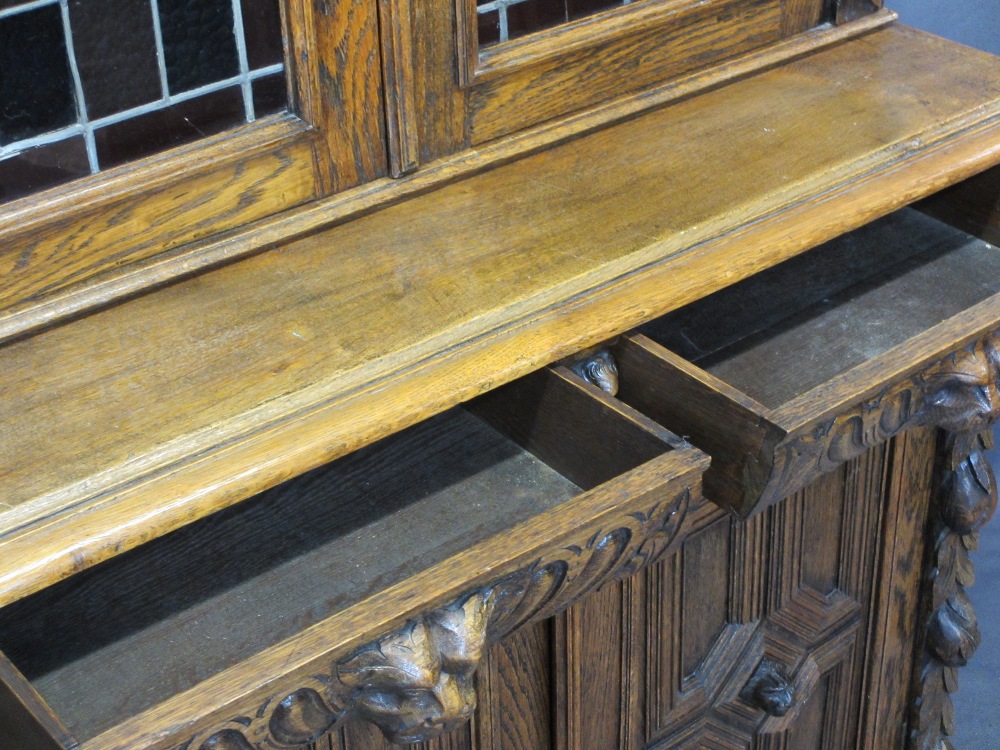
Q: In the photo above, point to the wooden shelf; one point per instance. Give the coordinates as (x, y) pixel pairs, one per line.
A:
(786, 374)
(137, 420)
(267, 593)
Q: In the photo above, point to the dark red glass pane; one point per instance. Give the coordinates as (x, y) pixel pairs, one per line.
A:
(166, 128)
(117, 61)
(531, 15)
(36, 88)
(262, 28)
(199, 42)
(489, 27)
(42, 167)
(270, 95)
(581, 8)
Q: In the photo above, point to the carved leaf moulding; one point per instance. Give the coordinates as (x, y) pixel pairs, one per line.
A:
(958, 393)
(419, 681)
(966, 500)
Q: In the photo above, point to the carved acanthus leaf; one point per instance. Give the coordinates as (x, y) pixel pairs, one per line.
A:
(958, 393)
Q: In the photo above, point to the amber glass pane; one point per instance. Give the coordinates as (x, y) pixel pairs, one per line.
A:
(89, 84)
(503, 20)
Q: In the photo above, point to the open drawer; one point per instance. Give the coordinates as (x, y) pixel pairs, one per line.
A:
(795, 370)
(268, 623)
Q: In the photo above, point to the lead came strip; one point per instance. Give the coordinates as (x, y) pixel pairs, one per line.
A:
(503, 20)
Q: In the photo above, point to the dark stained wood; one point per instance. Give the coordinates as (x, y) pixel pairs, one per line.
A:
(26, 722)
(972, 206)
(516, 692)
(771, 613)
(966, 499)
(889, 659)
(572, 426)
(703, 407)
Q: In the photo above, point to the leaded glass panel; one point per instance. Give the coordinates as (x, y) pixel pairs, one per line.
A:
(503, 20)
(89, 84)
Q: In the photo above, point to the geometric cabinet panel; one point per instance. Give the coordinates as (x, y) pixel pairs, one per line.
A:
(773, 659)
(759, 635)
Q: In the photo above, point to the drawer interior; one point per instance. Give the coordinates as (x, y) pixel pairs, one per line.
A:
(796, 326)
(122, 637)
(756, 373)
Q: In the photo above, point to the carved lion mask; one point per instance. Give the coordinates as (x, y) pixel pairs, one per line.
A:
(418, 683)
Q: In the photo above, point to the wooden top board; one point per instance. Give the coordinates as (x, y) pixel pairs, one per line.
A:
(123, 425)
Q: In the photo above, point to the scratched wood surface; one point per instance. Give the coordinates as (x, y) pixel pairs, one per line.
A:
(175, 404)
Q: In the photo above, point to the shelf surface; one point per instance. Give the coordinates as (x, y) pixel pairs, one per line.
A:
(800, 324)
(134, 421)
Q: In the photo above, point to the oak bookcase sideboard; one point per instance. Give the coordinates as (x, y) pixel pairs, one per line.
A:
(525, 375)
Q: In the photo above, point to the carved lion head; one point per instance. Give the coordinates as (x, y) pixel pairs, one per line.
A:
(964, 390)
(418, 683)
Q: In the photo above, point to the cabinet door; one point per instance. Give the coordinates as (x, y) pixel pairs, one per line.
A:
(770, 634)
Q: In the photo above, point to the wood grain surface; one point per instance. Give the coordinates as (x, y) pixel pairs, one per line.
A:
(173, 405)
(262, 596)
(62, 239)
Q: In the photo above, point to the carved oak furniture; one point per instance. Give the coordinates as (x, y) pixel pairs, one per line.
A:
(627, 387)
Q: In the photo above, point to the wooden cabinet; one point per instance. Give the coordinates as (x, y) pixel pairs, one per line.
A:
(644, 408)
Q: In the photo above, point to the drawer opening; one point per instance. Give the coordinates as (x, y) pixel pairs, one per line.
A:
(757, 373)
(116, 640)
(796, 326)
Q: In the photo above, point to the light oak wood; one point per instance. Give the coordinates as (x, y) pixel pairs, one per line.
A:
(242, 508)
(115, 284)
(783, 375)
(266, 368)
(284, 606)
(64, 237)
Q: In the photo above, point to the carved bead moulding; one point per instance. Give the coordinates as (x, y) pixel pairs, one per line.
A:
(419, 681)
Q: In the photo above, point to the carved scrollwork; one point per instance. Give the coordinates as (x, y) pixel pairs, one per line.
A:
(418, 682)
(959, 394)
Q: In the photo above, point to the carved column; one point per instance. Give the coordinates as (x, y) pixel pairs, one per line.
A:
(966, 403)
